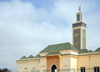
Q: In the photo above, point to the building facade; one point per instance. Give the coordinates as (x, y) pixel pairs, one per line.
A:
(64, 56)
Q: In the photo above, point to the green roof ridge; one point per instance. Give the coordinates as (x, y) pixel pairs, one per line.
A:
(31, 56)
(84, 51)
(52, 53)
(58, 47)
(24, 57)
(97, 50)
(37, 56)
(72, 47)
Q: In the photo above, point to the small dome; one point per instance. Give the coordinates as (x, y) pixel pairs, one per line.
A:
(31, 56)
(24, 57)
(37, 56)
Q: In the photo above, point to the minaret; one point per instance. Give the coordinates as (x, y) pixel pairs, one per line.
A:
(79, 32)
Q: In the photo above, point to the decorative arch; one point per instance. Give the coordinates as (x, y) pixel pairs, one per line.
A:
(53, 60)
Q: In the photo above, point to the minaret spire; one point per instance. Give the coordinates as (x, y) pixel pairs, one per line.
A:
(80, 8)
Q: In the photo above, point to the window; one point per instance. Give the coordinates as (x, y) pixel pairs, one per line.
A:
(82, 69)
(78, 17)
(33, 68)
(20, 67)
(26, 68)
(96, 69)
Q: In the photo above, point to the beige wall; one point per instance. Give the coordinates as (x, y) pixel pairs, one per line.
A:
(30, 65)
(95, 60)
(73, 62)
(64, 62)
(69, 62)
(43, 63)
(83, 61)
(89, 61)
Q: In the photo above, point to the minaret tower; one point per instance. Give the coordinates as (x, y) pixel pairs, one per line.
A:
(79, 32)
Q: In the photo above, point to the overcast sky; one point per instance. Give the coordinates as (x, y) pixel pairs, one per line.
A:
(28, 26)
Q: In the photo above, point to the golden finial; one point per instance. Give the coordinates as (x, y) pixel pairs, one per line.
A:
(80, 7)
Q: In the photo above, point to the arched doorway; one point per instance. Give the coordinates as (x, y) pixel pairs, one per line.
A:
(53, 68)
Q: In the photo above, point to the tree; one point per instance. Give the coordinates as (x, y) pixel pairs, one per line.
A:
(0, 70)
(5, 70)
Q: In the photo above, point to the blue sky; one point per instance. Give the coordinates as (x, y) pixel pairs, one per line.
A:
(28, 26)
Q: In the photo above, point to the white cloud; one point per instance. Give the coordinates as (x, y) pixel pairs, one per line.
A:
(26, 30)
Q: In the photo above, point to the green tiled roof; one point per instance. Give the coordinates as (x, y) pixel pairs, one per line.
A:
(24, 57)
(53, 53)
(85, 51)
(37, 56)
(31, 56)
(58, 47)
(28, 59)
(97, 50)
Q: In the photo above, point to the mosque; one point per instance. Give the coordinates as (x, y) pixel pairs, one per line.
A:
(64, 56)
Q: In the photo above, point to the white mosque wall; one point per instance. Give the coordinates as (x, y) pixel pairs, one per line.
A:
(43, 54)
(69, 52)
(73, 62)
